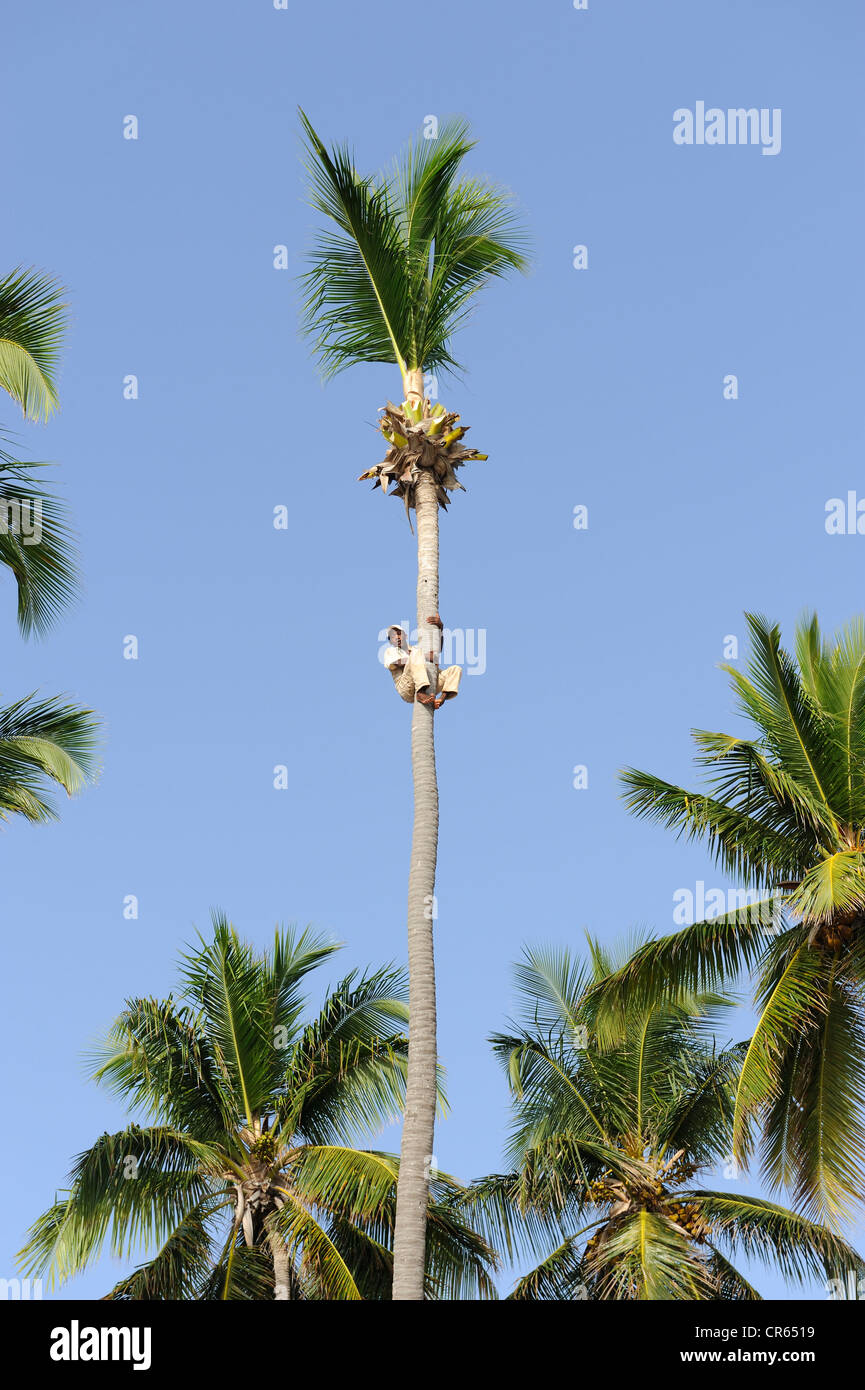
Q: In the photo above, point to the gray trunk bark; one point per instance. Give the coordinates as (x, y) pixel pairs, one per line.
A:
(281, 1286)
(416, 1153)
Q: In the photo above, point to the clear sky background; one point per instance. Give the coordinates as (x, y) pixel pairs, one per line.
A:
(257, 646)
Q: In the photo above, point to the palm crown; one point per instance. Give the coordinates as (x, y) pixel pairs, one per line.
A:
(394, 278)
(785, 809)
(243, 1174)
(608, 1142)
(408, 251)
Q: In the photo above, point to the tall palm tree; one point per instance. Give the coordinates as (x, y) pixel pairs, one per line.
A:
(785, 810)
(242, 1174)
(390, 281)
(608, 1143)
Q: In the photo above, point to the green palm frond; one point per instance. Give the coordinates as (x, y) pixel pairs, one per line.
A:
(223, 980)
(774, 1236)
(44, 742)
(520, 1212)
(791, 992)
(242, 1274)
(369, 1259)
(739, 842)
(346, 1072)
(157, 1057)
(699, 1116)
(743, 777)
(32, 323)
(730, 1283)
(283, 970)
(240, 998)
(773, 694)
(553, 1099)
(311, 1247)
(130, 1188)
(702, 958)
(479, 238)
(408, 252)
(559, 1276)
(832, 888)
(833, 675)
(357, 305)
(460, 1262)
(669, 1050)
(551, 985)
(35, 545)
(828, 1172)
(349, 1183)
(180, 1270)
(647, 1256)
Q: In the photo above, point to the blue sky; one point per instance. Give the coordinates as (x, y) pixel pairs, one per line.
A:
(601, 387)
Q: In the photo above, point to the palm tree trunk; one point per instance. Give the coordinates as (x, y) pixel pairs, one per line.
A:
(416, 1152)
(279, 1250)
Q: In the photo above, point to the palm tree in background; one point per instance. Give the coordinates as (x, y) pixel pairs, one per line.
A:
(390, 281)
(32, 324)
(41, 741)
(243, 1176)
(785, 810)
(608, 1143)
(42, 565)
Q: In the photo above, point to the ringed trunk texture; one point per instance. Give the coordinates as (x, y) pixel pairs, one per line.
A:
(416, 1153)
(281, 1286)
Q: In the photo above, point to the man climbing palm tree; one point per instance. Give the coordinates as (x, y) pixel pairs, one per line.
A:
(408, 666)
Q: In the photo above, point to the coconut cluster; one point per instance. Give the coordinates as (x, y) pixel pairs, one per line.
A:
(421, 438)
(265, 1147)
(836, 934)
(650, 1194)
